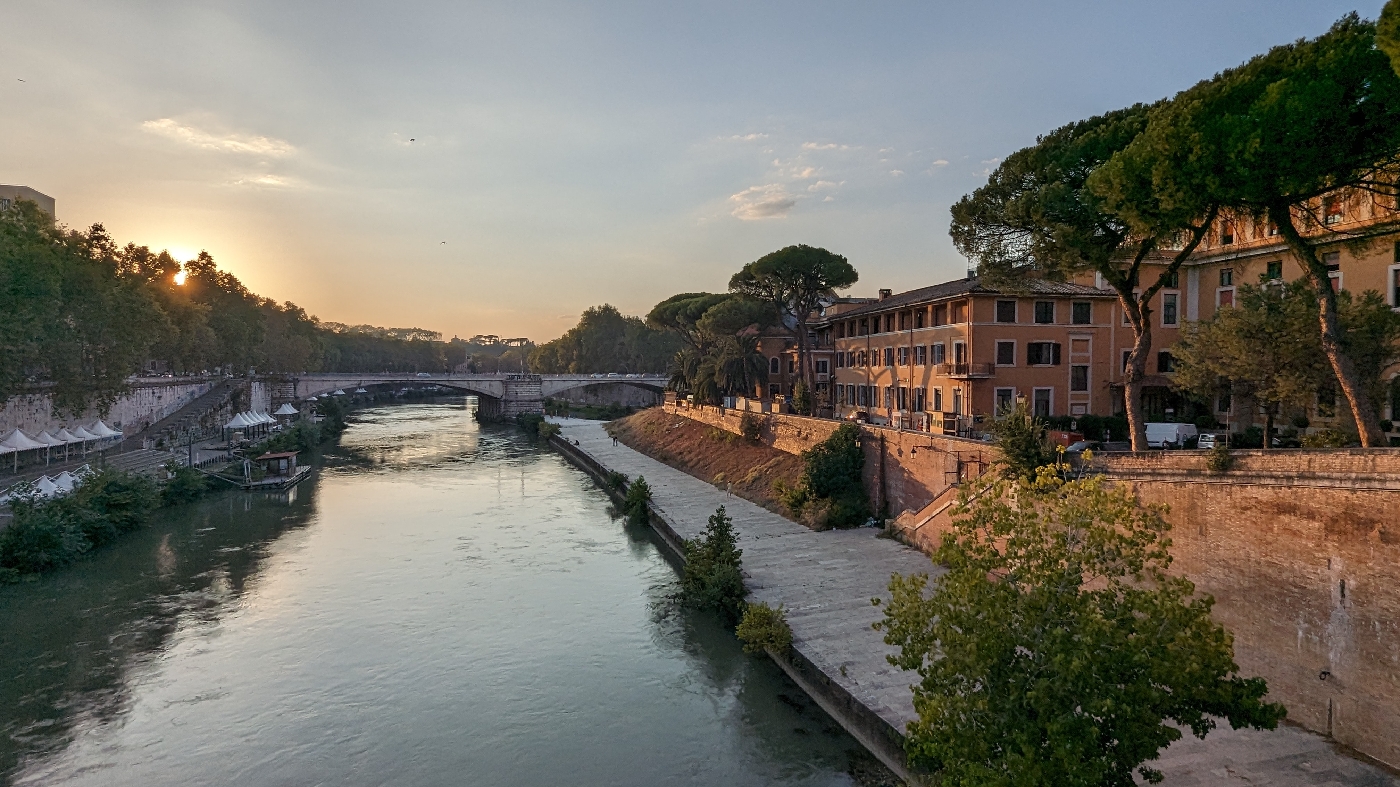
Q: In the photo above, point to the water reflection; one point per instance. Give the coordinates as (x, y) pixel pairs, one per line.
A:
(441, 604)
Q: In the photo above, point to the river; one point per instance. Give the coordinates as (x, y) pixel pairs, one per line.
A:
(441, 604)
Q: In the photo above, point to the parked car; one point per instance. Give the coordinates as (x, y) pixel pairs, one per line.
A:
(1208, 440)
(424, 374)
(1164, 435)
(1080, 446)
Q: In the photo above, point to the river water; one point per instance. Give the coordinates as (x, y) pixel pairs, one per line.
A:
(441, 604)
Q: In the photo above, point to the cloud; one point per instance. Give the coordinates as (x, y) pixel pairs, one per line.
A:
(824, 146)
(828, 198)
(992, 161)
(896, 172)
(228, 143)
(748, 137)
(763, 202)
(804, 173)
(267, 181)
(821, 184)
(943, 162)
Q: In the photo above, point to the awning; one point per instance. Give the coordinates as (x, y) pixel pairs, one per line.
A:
(102, 430)
(19, 441)
(46, 487)
(237, 422)
(68, 437)
(84, 434)
(49, 440)
(361, 390)
(338, 392)
(65, 481)
(287, 409)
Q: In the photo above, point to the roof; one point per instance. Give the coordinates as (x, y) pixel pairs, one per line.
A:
(278, 455)
(974, 286)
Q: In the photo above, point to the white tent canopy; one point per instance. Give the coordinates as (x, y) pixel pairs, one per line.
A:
(65, 481)
(46, 487)
(338, 392)
(83, 434)
(361, 390)
(102, 430)
(19, 441)
(49, 440)
(237, 422)
(286, 409)
(68, 437)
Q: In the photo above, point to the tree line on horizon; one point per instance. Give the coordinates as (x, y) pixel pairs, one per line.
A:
(82, 314)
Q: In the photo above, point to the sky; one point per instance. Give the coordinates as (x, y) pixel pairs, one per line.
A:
(497, 168)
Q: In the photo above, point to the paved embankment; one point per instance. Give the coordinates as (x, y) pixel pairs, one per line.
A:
(826, 580)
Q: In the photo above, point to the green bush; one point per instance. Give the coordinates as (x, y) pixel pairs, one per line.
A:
(750, 426)
(830, 492)
(1330, 438)
(635, 504)
(1219, 459)
(184, 485)
(712, 578)
(801, 399)
(616, 480)
(530, 422)
(1021, 438)
(548, 430)
(764, 628)
(1091, 426)
(49, 534)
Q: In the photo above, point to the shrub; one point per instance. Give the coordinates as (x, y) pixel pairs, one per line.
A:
(1022, 442)
(750, 426)
(712, 578)
(1253, 437)
(764, 628)
(801, 399)
(1219, 459)
(1330, 438)
(48, 534)
(547, 430)
(635, 504)
(1301, 421)
(831, 479)
(184, 485)
(530, 422)
(616, 481)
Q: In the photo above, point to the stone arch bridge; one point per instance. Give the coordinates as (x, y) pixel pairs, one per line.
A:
(500, 395)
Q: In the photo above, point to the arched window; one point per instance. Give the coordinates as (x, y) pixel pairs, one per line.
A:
(773, 366)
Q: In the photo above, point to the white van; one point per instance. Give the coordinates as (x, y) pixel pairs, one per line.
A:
(1169, 435)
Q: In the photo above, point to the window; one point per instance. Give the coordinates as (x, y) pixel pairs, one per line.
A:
(1333, 262)
(940, 315)
(920, 355)
(937, 400)
(823, 366)
(1397, 252)
(1332, 210)
(1127, 355)
(1166, 364)
(1227, 233)
(1082, 313)
(902, 397)
(937, 353)
(840, 395)
(1274, 270)
(1043, 353)
(1169, 310)
(774, 389)
(1224, 401)
(1225, 297)
(773, 365)
(903, 323)
(792, 366)
(1006, 353)
(840, 360)
(959, 352)
(904, 356)
(1395, 288)
(1006, 311)
(957, 401)
(889, 397)
(1044, 312)
(1079, 377)
(1227, 277)
(920, 399)
(959, 311)
(1005, 400)
(889, 323)
(1040, 402)
(889, 356)
(865, 327)
(1172, 280)
(919, 317)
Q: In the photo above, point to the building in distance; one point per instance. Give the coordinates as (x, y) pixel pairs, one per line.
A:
(9, 195)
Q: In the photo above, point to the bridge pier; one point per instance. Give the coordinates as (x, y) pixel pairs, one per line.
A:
(522, 395)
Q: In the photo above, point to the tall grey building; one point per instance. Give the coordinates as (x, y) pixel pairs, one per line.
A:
(10, 194)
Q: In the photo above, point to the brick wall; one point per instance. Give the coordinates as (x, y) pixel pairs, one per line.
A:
(1301, 550)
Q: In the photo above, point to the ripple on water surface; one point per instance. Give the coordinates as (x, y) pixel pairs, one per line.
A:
(442, 604)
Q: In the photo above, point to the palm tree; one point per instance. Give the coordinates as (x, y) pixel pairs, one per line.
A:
(739, 366)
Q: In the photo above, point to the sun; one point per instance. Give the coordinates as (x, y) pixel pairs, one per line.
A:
(180, 276)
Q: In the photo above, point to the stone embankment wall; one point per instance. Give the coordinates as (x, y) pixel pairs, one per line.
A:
(612, 393)
(1301, 550)
(904, 470)
(147, 402)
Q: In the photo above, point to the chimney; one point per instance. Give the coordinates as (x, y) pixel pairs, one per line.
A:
(971, 273)
(885, 294)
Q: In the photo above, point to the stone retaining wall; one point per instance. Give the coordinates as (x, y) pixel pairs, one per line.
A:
(146, 403)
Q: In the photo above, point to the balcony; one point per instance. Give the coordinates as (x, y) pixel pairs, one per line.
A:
(964, 371)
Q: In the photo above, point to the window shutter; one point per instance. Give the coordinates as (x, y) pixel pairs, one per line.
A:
(1055, 353)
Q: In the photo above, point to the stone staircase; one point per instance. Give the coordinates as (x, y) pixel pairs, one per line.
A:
(201, 418)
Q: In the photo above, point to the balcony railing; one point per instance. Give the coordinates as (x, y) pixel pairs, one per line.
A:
(964, 370)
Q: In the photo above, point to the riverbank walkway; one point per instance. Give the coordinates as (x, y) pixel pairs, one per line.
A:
(827, 580)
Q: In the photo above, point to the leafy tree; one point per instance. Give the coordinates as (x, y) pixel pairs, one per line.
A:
(801, 398)
(712, 578)
(605, 341)
(831, 492)
(1057, 650)
(1267, 347)
(1040, 215)
(795, 280)
(1388, 32)
(739, 367)
(1282, 135)
(1023, 443)
(635, 504)
(681, 315)
(721, 352)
